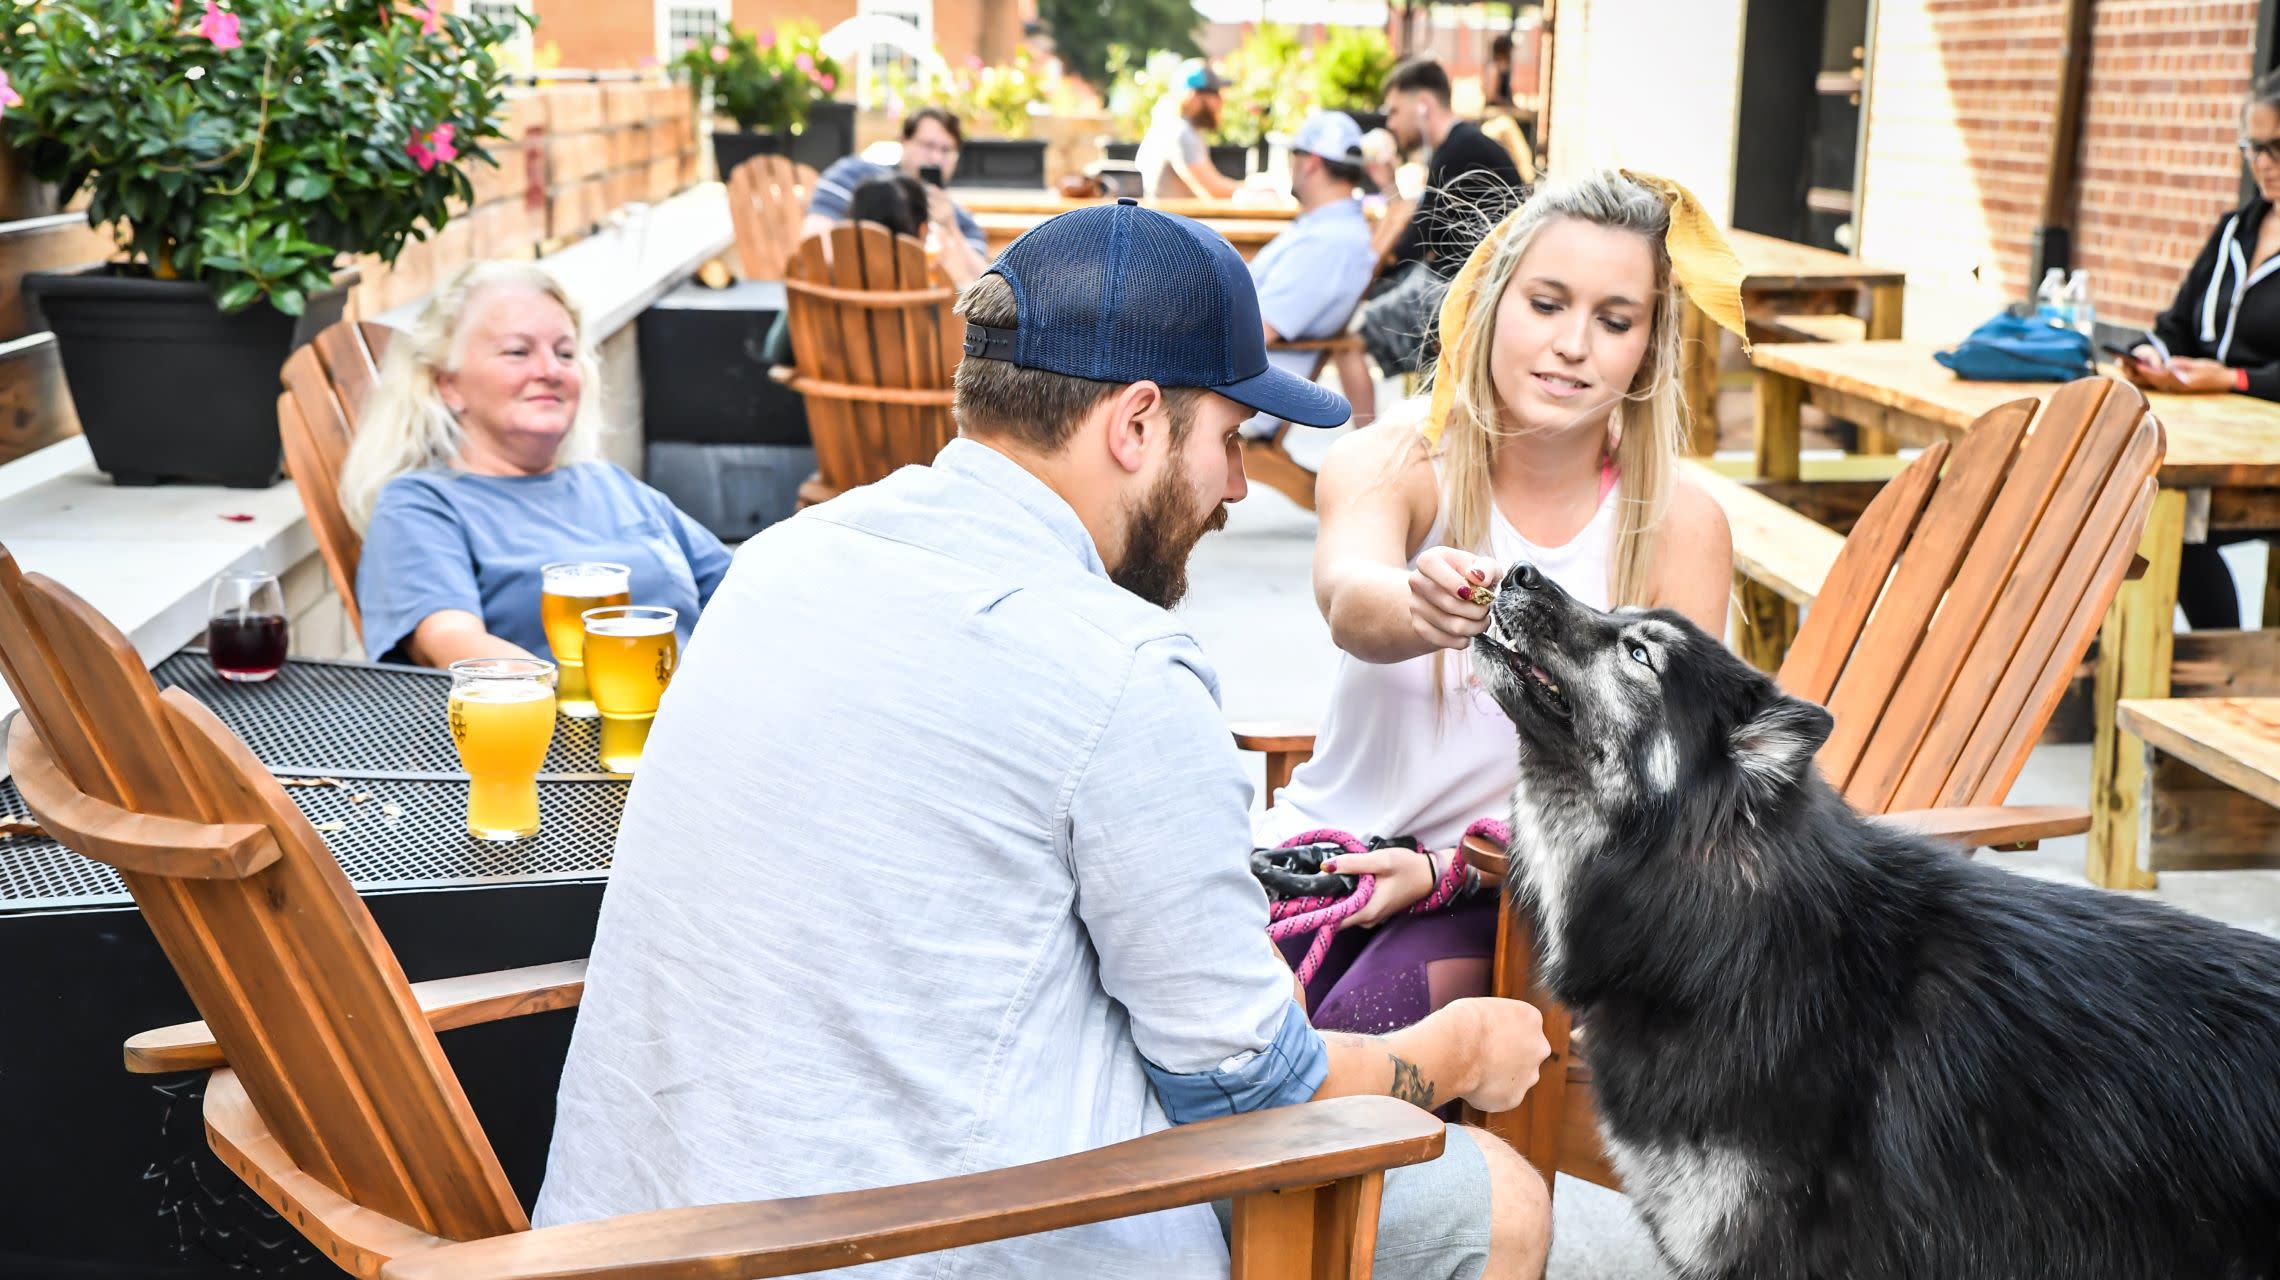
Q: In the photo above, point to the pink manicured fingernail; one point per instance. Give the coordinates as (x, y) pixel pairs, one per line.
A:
(1329, 864)
(1464, 593)
(1478, 576)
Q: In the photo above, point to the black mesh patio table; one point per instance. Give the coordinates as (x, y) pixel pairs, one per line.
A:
(389, 796)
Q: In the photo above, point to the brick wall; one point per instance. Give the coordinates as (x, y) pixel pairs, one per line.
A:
(622, 34)
(1961, 102)
(597, 34)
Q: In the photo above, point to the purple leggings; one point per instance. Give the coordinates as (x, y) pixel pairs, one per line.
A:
(1383, 979)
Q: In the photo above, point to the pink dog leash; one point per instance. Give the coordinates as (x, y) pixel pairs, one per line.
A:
(1293, 917)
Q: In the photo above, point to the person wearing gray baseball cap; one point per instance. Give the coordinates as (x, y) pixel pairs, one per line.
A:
(939, 859)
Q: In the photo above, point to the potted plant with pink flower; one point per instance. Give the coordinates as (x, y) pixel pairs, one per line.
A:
(238, 150)
(777, 87)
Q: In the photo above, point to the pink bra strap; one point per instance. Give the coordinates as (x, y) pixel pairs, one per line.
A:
(1608, 475)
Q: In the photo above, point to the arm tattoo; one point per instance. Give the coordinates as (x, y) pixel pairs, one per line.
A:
(1409, 1084)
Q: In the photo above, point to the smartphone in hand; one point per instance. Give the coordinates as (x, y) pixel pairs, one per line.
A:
(931, 175)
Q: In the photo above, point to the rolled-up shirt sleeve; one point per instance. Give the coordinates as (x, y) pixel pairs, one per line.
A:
(1159, 836)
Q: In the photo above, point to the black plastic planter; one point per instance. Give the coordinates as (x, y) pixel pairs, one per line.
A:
(1001, 162)
(828, 135)
(732, 148)
(1231, 161)
(168, 388)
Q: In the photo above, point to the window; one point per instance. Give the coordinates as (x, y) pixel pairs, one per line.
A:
(515, 54)
(681, 23)
(887, 61)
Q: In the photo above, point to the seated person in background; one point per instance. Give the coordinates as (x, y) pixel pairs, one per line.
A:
(473, 469)
(961, 880)
(2223, 334)
(931, 138)
(1496, 77)
(1470, 185)
(1311, 277)
(1175, 158)
(893, 200)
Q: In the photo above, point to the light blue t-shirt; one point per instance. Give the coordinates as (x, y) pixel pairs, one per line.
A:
(449, 540)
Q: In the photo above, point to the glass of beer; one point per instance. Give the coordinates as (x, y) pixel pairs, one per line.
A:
(502, 718)
(569, 589)
(630, 654)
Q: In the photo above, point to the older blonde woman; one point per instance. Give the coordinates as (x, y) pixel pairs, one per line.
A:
(1552, 437)
(473, 468)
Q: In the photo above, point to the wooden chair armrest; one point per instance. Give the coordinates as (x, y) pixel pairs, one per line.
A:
(447, 1002)
(1290, 1147)
(1487, 857)
(1274, 735)
(1997, 825)
(1335, 342)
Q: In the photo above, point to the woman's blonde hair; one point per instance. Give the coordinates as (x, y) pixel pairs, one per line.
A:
(405, 425)
(1647, 424)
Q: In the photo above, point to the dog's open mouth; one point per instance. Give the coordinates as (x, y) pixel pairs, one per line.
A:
(1539, 683)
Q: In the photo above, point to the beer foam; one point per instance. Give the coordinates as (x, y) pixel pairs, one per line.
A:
(625, 627)
(586, 582)
(503, 691)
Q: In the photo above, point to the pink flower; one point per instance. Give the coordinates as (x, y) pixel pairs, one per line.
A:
(432, 148)
(720, 53)
(430, 21)
(805, 63)
(8, 95)
(974, 60)
(768, 41)
(827, 80)
(220, 26)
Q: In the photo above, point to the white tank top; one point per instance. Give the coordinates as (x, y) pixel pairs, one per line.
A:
(1388, 761)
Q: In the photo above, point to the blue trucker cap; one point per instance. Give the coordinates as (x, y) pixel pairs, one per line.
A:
(1118, 293)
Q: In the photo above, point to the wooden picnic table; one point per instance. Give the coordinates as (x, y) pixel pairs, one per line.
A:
(1781, 276)
(1248, 235)
(981, 200)
(2213, 764)
(2221, 472)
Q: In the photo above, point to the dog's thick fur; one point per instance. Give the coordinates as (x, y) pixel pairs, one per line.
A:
(1825, 1049)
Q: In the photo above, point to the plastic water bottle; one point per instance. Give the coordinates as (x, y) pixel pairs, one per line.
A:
(2050, 299)
(2080, 312)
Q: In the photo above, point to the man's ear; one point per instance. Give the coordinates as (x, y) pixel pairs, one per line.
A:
(1776, 746)
(1132, 415)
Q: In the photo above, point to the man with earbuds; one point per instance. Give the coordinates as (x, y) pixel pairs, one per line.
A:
(1469, 184)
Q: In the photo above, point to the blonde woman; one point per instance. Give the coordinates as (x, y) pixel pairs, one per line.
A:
(473, 468)
(1552, 436)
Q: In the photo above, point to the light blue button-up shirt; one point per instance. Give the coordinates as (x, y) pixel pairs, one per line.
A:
(1310, 278)
(936, 863)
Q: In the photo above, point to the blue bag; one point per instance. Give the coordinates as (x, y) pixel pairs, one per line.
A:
(2014, 348)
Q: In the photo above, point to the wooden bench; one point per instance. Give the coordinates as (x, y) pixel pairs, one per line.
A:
(1816, 328)
(1781, 560)
(2212, 781)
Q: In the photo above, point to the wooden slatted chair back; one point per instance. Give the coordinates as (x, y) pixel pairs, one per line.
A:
(1967, 595)
(875, 341)
(326, 384)
(304, 997)
(767, 199)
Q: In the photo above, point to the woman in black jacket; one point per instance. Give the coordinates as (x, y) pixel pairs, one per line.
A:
(2223, 333)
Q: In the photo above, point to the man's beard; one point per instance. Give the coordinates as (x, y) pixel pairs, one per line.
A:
(1159, 534)
(1203, 115)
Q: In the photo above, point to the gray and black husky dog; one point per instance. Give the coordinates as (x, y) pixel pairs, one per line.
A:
(1826, 1049)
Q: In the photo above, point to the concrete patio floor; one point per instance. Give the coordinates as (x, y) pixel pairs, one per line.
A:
(1251, 604)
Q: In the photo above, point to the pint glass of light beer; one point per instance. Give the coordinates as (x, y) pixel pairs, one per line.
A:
(569, 589)
(630, 654)
(502, 718)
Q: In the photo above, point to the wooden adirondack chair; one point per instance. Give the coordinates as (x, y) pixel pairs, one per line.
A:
(326, 382)
(767, 199)
(875, 342)
(1951, 624)
(1266, 460)
(332, 1099)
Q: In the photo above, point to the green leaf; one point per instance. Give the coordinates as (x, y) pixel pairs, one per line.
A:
(308, 186)
(288, 301)
(239, 295)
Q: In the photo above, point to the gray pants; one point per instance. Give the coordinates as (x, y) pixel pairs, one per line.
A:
(1433, 1219)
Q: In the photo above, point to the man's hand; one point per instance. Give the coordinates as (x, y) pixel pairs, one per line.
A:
(1509, 1049)
(940, 211)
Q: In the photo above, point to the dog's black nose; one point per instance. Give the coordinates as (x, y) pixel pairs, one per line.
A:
(1525, 576)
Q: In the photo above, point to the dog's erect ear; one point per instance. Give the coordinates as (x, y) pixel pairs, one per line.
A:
(1776, 746)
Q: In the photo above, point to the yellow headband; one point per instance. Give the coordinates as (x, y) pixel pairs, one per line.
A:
(1701, 261)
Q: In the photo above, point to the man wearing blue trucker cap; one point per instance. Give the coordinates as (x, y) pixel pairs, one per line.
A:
(938, 857)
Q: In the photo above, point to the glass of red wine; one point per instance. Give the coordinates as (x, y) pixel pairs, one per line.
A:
(245, 627)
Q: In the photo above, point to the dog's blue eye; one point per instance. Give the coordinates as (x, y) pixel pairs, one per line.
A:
(1639, 655)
